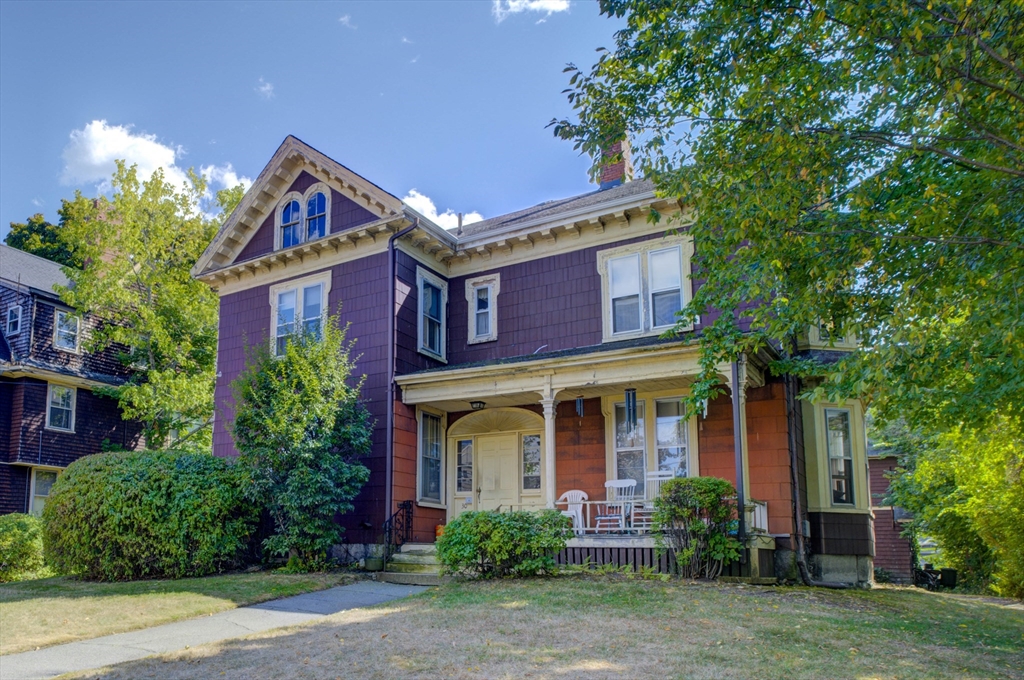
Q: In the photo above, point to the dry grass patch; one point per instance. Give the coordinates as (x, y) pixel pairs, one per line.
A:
(573, 627)
(51, 611)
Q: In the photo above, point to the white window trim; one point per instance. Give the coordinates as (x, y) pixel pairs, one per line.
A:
(650, 431)
(323, 278)
(74, 407)
(20, 316)
(429, 502)
(78, 335)
(814, 338)
(492, 282)
(685, 244)
(303, 199)
(426, 276)
(32, 484)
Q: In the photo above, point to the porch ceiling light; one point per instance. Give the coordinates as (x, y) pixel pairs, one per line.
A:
(477, 405)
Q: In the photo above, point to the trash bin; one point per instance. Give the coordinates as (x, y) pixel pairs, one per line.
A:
(947, 578)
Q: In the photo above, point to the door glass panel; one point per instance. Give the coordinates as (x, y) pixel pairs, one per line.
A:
(531, 461)
(464, 466)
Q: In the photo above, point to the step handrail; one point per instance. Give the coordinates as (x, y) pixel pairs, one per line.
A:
(397, 530)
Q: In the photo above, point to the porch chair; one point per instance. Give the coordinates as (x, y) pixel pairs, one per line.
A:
(618, 504)
(574, 498)
(643, 512)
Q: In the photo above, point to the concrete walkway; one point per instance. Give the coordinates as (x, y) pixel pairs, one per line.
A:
(111, 649)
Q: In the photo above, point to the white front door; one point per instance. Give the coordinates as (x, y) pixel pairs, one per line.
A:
(498, 478)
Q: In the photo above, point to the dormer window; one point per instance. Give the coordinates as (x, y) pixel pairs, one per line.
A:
(291, 215)
(316, 216)
(303, 217)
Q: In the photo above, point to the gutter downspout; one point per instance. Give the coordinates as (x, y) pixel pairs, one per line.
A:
(390, 438)
(737, 434)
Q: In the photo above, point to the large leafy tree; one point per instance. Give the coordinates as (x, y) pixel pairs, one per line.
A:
(138, 248)
(300, 430)
(855, 164)
(39, 237)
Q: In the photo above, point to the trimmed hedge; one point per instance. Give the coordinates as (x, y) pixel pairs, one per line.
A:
(501, 544)
(146, 514)
(21, 546)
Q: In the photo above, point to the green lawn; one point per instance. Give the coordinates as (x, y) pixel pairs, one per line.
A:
(571, 627)
(50, 611)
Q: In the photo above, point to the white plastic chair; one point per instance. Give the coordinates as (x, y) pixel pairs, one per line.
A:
(574, 498)
(618, 503)
(652, 489)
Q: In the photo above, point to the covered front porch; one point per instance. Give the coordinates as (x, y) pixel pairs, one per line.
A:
(594, 436)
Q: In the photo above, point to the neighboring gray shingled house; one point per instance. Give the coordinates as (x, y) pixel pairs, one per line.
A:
(49, 414)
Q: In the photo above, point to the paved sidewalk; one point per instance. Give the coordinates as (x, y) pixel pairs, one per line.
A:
(111, 649)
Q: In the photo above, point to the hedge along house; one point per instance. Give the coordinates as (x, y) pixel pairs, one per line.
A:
(516, 359)
(50, 415)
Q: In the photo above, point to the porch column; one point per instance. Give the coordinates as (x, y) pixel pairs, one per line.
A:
(549, 402)
(739, 433)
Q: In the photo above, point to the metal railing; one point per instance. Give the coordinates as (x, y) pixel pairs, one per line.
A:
(397, 530)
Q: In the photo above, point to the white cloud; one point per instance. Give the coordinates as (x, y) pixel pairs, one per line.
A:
(37, 202)
(502, 8)
(449, 219)
(414, 59)
(346, 21)
(264, 89)
(90, 154)
(406, 40)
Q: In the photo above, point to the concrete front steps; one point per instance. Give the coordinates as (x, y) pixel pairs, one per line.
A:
(415, 564)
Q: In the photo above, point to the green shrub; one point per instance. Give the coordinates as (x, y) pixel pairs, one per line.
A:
(501, 544)
(146, 514)
(21, 546)
(693, 516)
(300, 431)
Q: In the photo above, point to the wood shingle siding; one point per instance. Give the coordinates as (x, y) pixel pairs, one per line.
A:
(841, 533)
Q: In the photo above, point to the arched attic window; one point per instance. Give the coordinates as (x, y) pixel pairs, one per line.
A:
(291, 218)
(316, 216)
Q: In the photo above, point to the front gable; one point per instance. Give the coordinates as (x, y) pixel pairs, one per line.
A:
(295, 166)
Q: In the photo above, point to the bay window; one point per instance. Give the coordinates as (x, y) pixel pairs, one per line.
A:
(840, 455)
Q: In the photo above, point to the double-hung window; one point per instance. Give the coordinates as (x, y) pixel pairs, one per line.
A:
(60, 410)
(840, 455)
(672, 431)
(303, 217)
(65, 331)
(482, 301)
(291, 217)
(42, 482)
(298, 307)
(316, 216)
(644, 286)
(431, 473)
(14, 320)
(433, 303)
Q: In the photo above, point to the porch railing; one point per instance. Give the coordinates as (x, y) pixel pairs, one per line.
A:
(397, 530)
(635, 517)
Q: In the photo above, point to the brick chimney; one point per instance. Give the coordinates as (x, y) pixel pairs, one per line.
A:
(614, 174)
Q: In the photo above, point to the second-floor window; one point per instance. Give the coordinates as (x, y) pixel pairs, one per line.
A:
(433, 303)
(482, 300)
(66, 331)
(644, 286)
(291, 216)
(298, 306)
(14, 320)
(60, 413)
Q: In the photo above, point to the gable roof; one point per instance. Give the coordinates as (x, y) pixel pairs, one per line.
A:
(32, 271)
(292, 157)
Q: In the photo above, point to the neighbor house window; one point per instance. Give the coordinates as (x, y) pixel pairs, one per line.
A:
(531, 462)
(316, 216)
(464, 466)
(840, 454)
(66, 331)
(14, 320)
(298, 306)
(42, 482)
(630, 448)
(671, 430)
(60, 413)
(644, 286)
(430, 458)
(482, 299)
(433, 302)
(291, 219)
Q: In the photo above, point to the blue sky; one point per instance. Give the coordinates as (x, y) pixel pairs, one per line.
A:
(449, 99)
